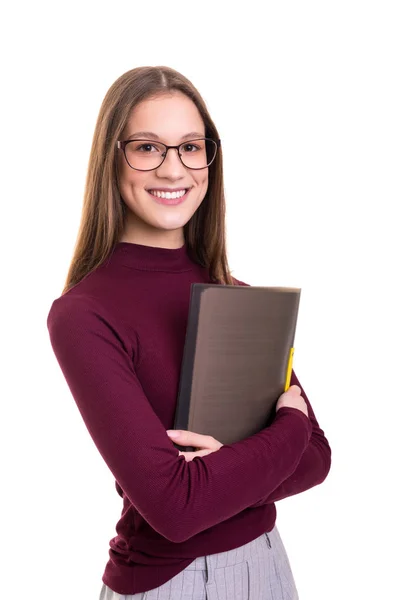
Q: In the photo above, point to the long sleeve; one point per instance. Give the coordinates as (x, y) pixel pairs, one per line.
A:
(177, 498)
(314, 464)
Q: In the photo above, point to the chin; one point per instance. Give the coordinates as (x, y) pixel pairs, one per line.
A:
(172, 221)
(170, 225)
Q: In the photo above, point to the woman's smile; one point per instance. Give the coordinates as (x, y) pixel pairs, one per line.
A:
(170, 198)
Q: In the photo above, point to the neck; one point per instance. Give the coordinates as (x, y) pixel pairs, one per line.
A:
(135, 233)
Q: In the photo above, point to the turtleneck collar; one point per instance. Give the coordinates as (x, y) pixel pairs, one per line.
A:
(150, 258)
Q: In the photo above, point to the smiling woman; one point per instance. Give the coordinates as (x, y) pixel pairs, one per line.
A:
(153, 224)
(141, 142)
(147, 165)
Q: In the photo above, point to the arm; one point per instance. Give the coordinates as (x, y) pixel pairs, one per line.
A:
(313, 466)
(177, 498)
(315, 462)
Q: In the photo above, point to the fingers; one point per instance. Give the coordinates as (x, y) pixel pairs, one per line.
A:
(294, 389)
(189, 438)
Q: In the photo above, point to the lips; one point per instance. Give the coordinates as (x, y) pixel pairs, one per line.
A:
(170, 190)
(169, 201)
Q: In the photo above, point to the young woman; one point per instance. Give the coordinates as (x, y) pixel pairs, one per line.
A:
(193, 525)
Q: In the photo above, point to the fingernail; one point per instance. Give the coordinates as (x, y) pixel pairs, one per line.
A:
(172, 433)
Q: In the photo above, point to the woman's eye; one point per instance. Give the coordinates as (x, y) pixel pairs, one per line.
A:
(146, 146)
(186, 146)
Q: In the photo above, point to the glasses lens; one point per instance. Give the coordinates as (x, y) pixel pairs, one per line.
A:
(198, 154)
(146, 155)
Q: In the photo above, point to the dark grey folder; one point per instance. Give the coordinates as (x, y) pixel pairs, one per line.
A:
(236, 360)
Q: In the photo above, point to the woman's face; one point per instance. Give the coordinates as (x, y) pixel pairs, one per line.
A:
(149, 222)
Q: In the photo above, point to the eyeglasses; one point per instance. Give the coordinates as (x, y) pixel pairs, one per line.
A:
(146, 155)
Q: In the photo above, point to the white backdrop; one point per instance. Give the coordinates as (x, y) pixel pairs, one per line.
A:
(306, 98)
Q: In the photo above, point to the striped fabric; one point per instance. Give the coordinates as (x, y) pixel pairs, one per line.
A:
(259, 570)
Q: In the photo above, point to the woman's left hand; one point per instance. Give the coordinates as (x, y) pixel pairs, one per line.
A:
(204, 444)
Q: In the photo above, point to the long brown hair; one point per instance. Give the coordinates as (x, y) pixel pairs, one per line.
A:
(103, 212)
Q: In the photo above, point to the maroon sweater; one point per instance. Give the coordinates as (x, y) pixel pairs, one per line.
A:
(119, 336)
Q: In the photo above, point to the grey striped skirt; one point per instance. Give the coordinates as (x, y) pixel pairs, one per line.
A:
(259, 570)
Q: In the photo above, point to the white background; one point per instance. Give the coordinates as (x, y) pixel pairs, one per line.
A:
(306, 99)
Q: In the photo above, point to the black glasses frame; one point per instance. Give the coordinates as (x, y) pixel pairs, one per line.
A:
(121, 144)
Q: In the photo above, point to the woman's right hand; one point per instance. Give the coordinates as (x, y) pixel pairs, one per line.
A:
(292, 398)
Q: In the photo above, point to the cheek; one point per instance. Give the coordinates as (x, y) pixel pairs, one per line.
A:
(130, 179)
(202, 181)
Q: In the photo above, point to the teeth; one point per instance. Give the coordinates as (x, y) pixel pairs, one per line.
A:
(167, 195)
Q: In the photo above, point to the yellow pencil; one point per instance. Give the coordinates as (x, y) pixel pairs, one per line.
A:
(289, 369)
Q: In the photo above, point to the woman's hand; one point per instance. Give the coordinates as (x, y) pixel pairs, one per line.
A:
(204, 444)
(292, 398)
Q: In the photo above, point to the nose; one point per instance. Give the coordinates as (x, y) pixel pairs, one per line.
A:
(172, 166)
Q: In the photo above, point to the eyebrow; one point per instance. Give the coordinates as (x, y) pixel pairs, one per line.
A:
(151, 135)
